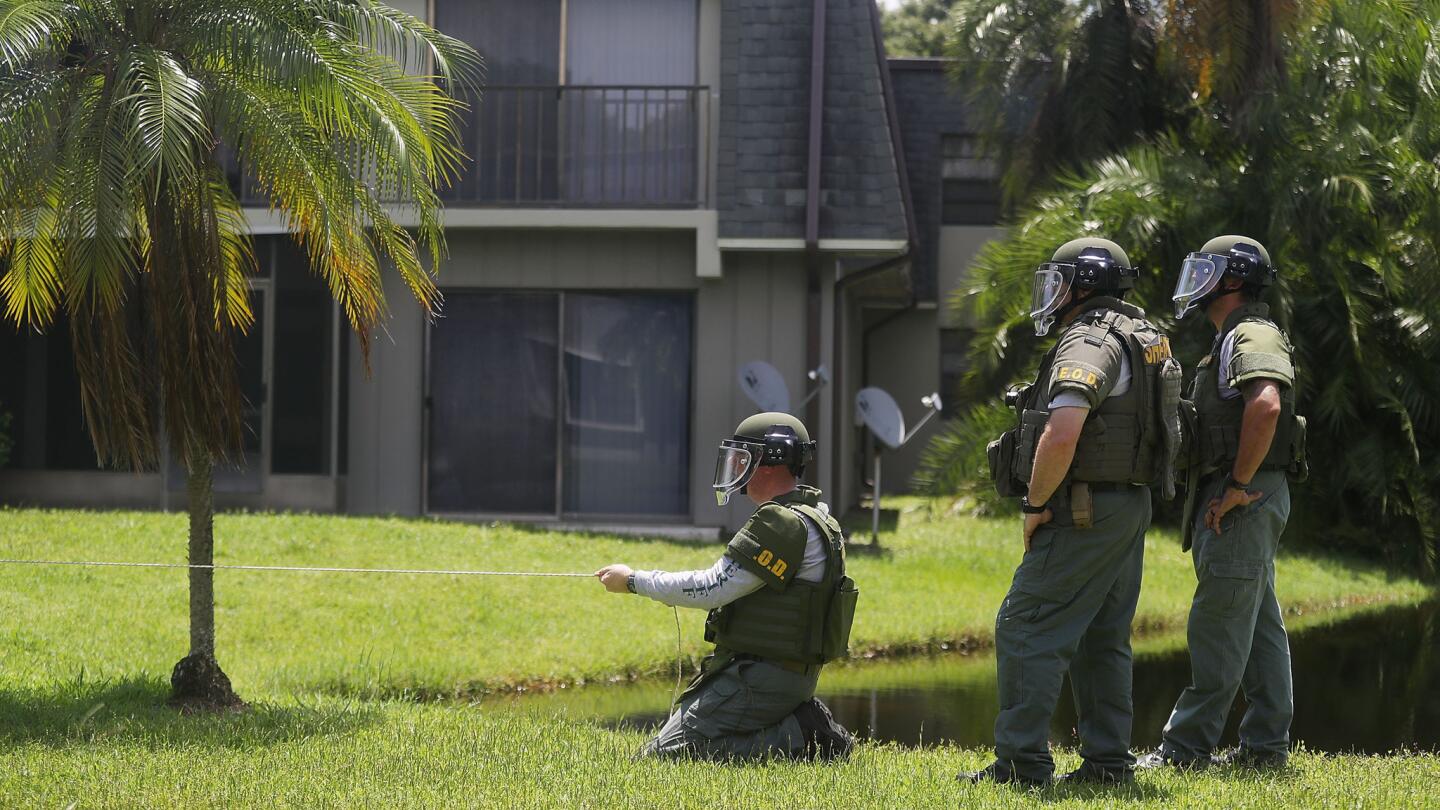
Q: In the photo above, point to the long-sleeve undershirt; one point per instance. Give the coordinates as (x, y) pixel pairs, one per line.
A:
(725, 581)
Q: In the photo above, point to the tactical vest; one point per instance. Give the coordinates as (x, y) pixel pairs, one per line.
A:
(1131, 438)
(789, 620)
(1217, 439)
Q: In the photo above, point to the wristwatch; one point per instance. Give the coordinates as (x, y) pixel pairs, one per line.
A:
(1231, 483)
(1030, 508)
(630, 583)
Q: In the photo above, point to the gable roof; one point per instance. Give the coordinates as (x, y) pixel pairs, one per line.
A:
(764, 124)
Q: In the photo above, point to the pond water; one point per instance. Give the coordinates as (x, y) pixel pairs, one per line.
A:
(1367, 684)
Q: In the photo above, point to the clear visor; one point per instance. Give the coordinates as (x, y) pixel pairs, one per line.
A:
(733, 467)
(1046, 292)
(1199, 276)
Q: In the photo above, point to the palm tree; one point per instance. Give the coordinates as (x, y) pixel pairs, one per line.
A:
(1056, 83)
(1336, 171)
(115, 116)
(1059, 83)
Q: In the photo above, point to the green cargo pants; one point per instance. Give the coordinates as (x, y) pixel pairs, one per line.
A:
(1069, 609)
(743, 711)
(1236, 633)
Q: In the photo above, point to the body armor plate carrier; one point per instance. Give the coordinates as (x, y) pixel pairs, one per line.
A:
(1131, 438)
(788, 619)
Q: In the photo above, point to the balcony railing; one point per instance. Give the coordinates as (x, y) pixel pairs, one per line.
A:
(574, 146)
(585, 146)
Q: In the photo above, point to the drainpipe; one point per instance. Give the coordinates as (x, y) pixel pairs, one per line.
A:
(841, 286)
(812, 199)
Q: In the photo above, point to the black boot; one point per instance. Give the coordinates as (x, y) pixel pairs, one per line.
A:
(1091, 774)
(1245, 757)
(1001, 774)
(1164, 756)
(825, 739)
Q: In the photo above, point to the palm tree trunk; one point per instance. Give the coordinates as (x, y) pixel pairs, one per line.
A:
(198, 682)
(200, 493)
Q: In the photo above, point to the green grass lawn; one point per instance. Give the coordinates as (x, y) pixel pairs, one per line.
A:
(329, 660)
(346, 752)
(380, 635)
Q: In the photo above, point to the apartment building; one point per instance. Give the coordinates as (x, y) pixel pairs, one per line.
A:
(660, 191)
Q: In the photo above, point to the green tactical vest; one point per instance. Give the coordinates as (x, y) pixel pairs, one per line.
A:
(1127, 439)
(1218, 420)
(788, 619)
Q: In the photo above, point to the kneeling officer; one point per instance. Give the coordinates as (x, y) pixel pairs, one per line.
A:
(780, 606)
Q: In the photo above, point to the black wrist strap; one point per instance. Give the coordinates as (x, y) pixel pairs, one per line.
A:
(1030, 508)
(630, 583)
(1233, 483)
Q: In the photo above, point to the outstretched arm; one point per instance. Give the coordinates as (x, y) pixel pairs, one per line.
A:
(720, 584)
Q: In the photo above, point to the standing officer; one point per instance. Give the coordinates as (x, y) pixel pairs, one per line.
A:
(1248, 438)
(780, 607)
(1100, 422)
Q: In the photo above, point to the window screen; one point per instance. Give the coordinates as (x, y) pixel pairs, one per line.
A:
(493, 389)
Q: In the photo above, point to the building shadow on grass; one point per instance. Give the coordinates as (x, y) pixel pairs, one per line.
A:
(134, 711)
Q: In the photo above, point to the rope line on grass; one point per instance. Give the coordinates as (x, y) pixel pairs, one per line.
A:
(299, 568)
(679, 655)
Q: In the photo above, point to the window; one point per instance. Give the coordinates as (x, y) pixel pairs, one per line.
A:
(308, 345)
(40, 389)
(970, 182)
(556, 404)
(295, 332)
(587, 102)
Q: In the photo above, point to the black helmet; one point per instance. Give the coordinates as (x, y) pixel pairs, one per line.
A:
(763, 440)
(1089, 263)
(1222, 257)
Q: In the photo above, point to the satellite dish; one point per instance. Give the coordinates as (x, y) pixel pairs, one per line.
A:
(763, 384)
(880, 413)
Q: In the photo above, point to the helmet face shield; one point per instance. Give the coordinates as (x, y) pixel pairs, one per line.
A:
(1199, 276)
(1047, 292)
(735, 463)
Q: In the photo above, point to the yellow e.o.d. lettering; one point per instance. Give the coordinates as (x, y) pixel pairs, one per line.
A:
(764, 557)
(778, 569)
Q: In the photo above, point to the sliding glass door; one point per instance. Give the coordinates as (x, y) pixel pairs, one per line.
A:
(553, 404)
(492, 404)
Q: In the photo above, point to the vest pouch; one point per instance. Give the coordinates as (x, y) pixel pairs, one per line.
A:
(838, 618)
(1109, 451)
(714, 623)
(1299, 463)
(1189, 455)
(1001, 455)
(1032, 424)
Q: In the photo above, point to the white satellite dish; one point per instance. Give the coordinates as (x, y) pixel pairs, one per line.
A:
(763, 384)
(877, 409)
(879, 412)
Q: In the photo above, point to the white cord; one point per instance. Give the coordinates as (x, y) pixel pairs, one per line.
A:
(679, 666)
(222, 567)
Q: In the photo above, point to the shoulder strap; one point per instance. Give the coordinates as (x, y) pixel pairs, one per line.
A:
(1097, 329)
(834, 538)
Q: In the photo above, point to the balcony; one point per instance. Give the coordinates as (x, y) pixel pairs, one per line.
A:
(599, 146)
(574, 147)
